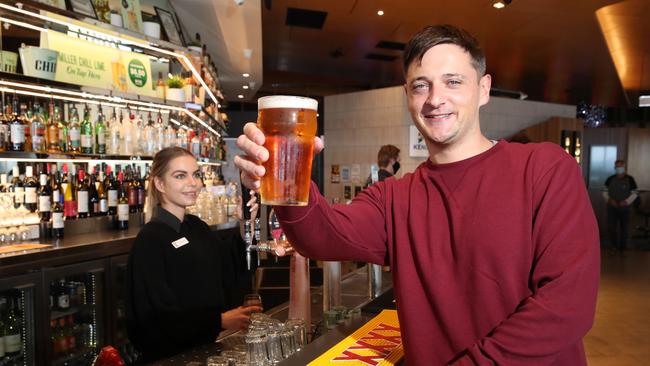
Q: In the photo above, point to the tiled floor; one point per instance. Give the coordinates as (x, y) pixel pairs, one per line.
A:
(621, 333)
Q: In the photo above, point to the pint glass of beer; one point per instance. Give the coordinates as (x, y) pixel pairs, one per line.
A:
(289, 124)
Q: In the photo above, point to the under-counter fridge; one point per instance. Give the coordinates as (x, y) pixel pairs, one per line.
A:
(19, 297)
(75, 327)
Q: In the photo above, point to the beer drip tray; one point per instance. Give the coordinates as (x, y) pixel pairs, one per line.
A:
(21, 247)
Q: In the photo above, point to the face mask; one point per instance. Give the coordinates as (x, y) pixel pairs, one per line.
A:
(395, 167)
(620, 170)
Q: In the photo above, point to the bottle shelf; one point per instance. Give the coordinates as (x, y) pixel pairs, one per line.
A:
(36, 157)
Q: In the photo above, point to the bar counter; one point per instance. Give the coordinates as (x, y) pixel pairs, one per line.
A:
(80, 245)
(353, 296)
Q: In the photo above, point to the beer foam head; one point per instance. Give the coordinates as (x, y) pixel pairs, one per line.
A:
(286, 101)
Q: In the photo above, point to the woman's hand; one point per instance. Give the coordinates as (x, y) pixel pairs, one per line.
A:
(252, 205)
(238, 318)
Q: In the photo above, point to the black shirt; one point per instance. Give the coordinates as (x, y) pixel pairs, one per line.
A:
(382, 175)
(174, 294)
(620, 189)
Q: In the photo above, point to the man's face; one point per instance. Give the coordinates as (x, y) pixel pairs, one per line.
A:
(444, 94)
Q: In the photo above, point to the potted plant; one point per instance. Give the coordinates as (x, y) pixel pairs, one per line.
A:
(175, 91)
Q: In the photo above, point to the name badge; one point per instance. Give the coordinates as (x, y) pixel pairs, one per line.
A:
(180, 242)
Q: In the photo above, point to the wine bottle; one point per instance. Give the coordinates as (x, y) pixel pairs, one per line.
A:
(69, 199)
(100, 133)
(82, 195)
(52, 134)
(87, 140)
(17, 130)
(17, 187)
(74, 132)
(44, 198)
(30, 189)
(57, 215)
(122, 205)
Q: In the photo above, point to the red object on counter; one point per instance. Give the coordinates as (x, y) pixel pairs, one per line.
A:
(108, 356)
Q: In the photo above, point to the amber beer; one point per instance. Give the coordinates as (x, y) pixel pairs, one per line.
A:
(289, 125)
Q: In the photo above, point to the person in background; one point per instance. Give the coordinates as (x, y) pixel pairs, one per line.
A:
(619, 193)
(388, 162)
(175, 298)
(493, 246)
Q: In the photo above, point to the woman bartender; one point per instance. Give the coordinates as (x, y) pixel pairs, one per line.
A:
(174, 286)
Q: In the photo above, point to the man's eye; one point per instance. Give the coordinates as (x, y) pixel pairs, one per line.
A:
(454, 82)
(420, 87)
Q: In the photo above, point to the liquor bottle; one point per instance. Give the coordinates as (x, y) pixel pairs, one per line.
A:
(16, 130)
(93, 197)
(17, 187)
(112, 195)
(149, 137)
(13, 339)
(181, 140)
(74, 132)
(39, 143)
(142, 193)
(4, 186)
(87, 138)
(54, 339)
(31, 200)
(170, 132)
(44, 199)
(61, 337)
(161, 87)
(140, 143)
(131, 191)
(69, 203)
(62, 296)
(122, 205)
(26, 116)
(4, 131)
(100, 133)
(71, 338)
(52, 135)
(57, 215)
(205, 144)
(126, 146)
(159, 134)
(101, 195)
(113, 141)
(195, 145)
(63, 129)
(82, 195)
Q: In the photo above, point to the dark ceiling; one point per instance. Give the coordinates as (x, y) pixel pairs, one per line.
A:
(551, 50)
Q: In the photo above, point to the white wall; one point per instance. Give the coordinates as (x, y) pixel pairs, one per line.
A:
(358, 124)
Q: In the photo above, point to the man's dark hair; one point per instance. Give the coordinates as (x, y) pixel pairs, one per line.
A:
(619, 161)
(434, 35)
(386, 153)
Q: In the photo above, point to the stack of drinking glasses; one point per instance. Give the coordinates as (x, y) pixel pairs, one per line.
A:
(269, 341)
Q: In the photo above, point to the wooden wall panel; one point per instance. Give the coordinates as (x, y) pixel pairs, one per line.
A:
(638, 152)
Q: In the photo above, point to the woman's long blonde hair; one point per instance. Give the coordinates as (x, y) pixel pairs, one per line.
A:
(159, 167)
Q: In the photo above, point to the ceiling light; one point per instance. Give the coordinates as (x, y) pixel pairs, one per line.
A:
(644, 101)
(380, 12)
(245, 74)
(500, 4)
(240, 96)
(245, 86)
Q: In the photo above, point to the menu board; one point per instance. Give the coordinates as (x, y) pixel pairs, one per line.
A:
(83, 62)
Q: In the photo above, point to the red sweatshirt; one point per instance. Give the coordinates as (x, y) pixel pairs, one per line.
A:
(495, 259)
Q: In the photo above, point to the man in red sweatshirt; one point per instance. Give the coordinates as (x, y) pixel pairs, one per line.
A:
(493, 246)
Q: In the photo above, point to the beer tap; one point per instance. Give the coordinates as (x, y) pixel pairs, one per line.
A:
(252, 231)
(248, 237)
